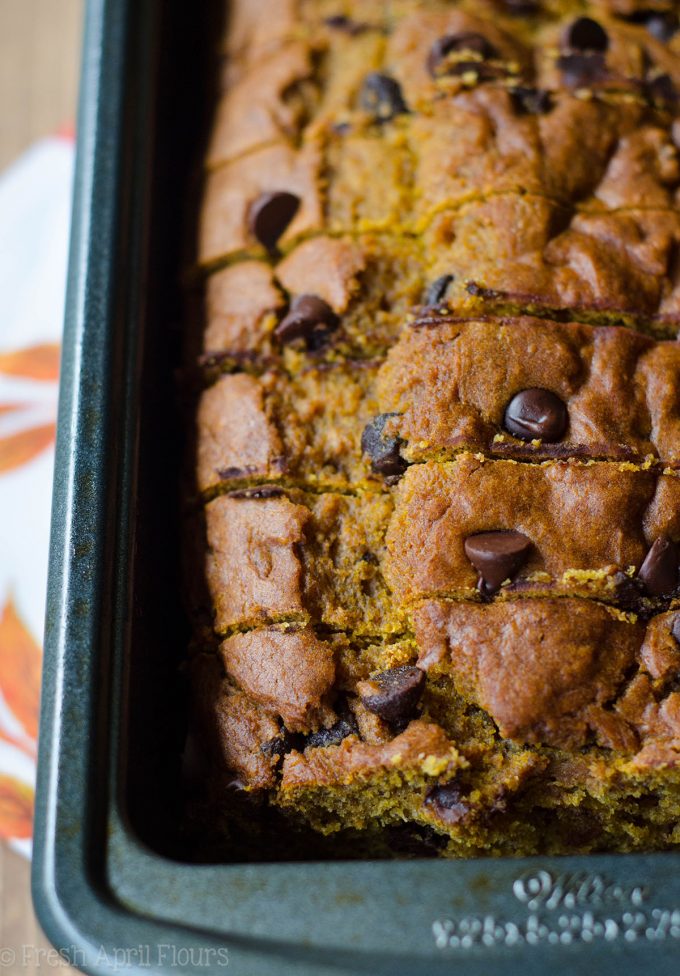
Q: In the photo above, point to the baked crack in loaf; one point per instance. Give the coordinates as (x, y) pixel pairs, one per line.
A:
(433, 518)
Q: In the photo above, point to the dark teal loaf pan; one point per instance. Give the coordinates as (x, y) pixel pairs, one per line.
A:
(110, 886)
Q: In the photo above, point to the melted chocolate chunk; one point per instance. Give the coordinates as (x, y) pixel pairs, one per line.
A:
(381, 96)
(283, 744)
(659, 571)
(343, 23)
(310, 318)
(383, 451)
(629, 595)
(536, 413)
(436, 292)
(675, 628)
(335, 734)
(265, 491)
(439, 61)
(270, 215)
(234, 472)
(371, 558)
(394, 694)
(497, 556)
(531, 101)
(581, 70)
(585, 34)
(448, 803)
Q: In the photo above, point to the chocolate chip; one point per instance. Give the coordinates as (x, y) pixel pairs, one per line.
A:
(381, 96)
(497, 556)
(233, 472)
(270, 214)
(675, 628)
(436, 292)
(310, 318)
(338, 21)
(370, 558)
(531, 101)
(585, 34)
(659, 571)
(283, 744)
(448, 803)
(628, 593)
(394, 695)
(343, 23)
(335, 734)
(536, 413)
(521, 8)
(661, 89)
(438, 62)
(383, 451)
(581, 70)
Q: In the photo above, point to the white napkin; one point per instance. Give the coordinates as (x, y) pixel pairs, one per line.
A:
(35, 203)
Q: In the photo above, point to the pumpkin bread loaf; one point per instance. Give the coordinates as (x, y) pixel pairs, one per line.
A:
(434, 497)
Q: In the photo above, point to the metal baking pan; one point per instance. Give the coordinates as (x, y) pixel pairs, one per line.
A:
(111, 887)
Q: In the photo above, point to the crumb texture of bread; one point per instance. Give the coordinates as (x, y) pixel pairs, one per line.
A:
(433, 468)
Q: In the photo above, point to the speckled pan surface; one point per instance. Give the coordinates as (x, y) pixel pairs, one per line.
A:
(108, 885)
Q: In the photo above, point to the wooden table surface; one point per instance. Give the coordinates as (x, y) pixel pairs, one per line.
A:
(39, 65)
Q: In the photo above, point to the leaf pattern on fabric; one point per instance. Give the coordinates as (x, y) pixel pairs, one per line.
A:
(35, 195)
(20, 448)
(20, 669)
(16, 808)
(39, 362)
(26, 745)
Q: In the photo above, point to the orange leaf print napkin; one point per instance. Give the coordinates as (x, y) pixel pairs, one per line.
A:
(35, 201)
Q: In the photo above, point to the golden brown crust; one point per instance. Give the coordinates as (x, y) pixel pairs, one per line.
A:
(231, 191)
(304, 430)
(515, 252)
(236, 438)
(241, 305)
(253, 572)
(288, 674)
(590, 154)
(232, 727)
(543, 669)
(307, 558)
(254, 110)
(353, 760)
(586, 523)
(446, 387)
(324, 266)
(370, 287)
(451, 383)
